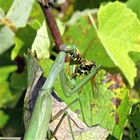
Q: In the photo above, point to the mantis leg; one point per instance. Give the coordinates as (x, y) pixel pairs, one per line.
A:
(65, 114)
(64, 110)
(69, 87)
(42, 111)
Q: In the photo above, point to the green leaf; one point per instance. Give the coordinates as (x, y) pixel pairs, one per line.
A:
(5, 5)
(37, 13)
(60, 25)
(2, 14)
(5, 94)
(81, 33)
(122, 113)
(119, 31)
(96, 104)
(7, 60)
(3, 119)
(23, 41)
(21, 78)
(135, 6)
(6, 39)
(9, 95)
(42, 42)
(5, 71)
(18, 8)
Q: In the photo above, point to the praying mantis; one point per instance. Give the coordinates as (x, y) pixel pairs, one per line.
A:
(41, 115)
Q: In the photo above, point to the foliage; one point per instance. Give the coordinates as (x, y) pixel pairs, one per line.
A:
(109, 35)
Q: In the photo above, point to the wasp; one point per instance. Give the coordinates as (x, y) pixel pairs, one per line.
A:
(83, 66)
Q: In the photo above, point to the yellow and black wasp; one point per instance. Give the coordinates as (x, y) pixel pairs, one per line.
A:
(83, 66)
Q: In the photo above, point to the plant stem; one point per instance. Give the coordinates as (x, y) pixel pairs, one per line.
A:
(52, 25)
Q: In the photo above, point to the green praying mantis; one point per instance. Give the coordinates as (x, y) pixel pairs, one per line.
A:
(42, 112)
(41, 115)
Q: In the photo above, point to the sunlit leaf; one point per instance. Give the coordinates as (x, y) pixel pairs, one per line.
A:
(119, 31)
(14, 20)
(6, 39)
(81, 33)
(17, 9)
(43, 40)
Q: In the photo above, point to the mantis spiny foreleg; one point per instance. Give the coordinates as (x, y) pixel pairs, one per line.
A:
(83, 67)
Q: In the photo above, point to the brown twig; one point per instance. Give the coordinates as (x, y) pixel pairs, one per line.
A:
(51, 23)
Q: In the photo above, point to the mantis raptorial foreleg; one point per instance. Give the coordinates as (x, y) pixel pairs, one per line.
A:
(88, 68)
(65, 87)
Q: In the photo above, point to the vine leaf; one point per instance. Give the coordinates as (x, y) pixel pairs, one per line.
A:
(119, 32)
(81, 32)
(12, 21)
(43, 40)
(17, 9)
(134, 5)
